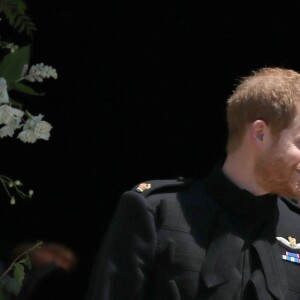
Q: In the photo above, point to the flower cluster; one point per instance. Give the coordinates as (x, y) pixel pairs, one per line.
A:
(14, 120)
(38, 72)
(16, 75)
(33, 128)
(10, 46)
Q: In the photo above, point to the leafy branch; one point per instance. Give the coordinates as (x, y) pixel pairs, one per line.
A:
(15, 12)
(14, 71)
(12, 278)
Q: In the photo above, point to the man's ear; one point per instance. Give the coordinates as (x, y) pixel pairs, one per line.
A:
(259, 131)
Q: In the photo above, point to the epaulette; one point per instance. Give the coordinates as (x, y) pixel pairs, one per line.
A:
(149, 187)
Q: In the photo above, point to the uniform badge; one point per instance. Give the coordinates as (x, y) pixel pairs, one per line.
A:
(290, 242)
(143, 186)
(292, 257)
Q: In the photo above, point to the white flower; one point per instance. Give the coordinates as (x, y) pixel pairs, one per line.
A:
(10, 46)
(10, 115)
(42, 130)
(3, 91)
(24, 71)
(7, 130)
(12, 200)
(39, 72)
(27, 136)
(34, 129)
(14, 48)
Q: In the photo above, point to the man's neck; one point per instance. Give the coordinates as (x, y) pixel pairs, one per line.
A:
(239, 168)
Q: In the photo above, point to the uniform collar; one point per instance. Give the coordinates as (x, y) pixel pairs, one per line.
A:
(236, 200)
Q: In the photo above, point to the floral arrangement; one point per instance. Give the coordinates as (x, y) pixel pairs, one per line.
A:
(17, 76)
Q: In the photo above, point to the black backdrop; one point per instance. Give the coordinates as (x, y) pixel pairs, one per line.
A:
(141, 95)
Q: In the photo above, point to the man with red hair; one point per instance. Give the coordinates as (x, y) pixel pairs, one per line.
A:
(228, 236)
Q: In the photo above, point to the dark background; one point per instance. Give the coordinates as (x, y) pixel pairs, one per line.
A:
(141, 95)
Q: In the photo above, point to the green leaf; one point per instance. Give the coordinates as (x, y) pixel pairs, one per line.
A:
(15, 12)
(26, 262)
(21, 87)
(12, 65)
(21, 6)
(19, 273)
(13, 286)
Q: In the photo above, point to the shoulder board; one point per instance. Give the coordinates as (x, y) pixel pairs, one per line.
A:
(148, 187)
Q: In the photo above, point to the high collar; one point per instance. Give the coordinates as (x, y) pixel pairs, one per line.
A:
(235, 200)
(249, 213)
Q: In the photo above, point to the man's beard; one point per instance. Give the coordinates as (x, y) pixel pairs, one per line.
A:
(273, 173)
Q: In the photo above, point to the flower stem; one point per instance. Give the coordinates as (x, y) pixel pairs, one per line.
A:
(18, 257)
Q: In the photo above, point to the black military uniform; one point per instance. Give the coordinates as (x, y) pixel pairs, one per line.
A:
(199, 240)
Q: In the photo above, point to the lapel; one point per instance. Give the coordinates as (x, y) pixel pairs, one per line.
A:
(273, 270)
(219, 268)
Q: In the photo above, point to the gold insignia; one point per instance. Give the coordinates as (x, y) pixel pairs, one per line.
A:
(293, 243)
(143, 186)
